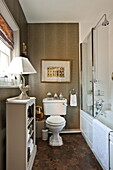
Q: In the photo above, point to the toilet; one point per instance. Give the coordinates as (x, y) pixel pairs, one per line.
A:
(55, 109)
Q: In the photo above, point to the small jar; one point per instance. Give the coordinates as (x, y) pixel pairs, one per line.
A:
(49, 94)
(55, 95)
(61, 96)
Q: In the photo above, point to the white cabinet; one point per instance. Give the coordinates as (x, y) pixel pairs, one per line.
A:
(20, 134)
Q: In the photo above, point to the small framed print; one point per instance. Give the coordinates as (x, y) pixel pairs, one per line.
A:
(55, 71)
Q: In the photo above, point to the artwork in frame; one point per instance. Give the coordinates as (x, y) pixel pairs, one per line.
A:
(55, 71)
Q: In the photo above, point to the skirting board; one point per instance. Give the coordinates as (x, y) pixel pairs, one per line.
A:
(69, 131)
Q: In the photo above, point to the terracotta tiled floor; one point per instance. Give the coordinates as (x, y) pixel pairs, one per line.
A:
(75, 154)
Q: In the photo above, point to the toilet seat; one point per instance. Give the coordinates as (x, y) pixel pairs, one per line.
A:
(55, 120)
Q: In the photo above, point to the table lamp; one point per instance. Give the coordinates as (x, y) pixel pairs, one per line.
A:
(21, 65)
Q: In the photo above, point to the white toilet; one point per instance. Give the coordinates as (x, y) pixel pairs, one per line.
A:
(54, 108)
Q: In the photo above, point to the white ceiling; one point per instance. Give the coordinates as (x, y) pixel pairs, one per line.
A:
(41, 11)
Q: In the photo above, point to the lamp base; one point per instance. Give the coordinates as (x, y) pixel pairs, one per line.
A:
(23, 95)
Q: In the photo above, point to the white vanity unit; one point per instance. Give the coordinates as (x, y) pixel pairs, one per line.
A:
(20, 134)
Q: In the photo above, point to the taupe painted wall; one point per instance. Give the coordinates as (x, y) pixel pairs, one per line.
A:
(16, 11)
(55, 41)
(46, 41)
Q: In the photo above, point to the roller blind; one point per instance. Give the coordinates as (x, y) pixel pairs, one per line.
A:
(6, 33)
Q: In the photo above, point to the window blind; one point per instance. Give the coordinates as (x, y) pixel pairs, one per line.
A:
(6, 33)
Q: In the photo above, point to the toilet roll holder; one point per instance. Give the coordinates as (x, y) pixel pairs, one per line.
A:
(73, 97)
(72, 91)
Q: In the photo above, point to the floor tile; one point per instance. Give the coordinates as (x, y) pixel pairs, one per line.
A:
(74, 154)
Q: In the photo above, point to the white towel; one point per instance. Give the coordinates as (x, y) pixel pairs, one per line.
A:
(31, 145)
(73, 100)
(101, 142)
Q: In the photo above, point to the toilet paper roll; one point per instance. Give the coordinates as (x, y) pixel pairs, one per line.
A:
(44, 134)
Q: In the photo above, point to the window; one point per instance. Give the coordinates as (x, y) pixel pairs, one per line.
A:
(9, 47)
(5, 58)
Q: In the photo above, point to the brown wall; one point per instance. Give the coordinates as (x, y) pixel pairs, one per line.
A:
(5, 93)
(55, 41)
(46, 41)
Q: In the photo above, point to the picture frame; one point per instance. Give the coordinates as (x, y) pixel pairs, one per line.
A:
(55, 71)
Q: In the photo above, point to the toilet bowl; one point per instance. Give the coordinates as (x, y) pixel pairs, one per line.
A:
(55, 125)
(55, 122)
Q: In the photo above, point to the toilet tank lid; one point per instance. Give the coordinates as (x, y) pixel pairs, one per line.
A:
(52, 100)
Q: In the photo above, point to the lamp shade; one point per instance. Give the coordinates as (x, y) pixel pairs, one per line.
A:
(20, 65)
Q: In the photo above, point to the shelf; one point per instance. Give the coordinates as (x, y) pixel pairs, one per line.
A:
(25, 137)
(30, 120)
(30, 135)
(32, 157)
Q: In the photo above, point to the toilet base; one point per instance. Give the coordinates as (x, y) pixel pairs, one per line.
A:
(55, 140)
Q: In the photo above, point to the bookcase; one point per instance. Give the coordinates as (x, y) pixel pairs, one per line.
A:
(20, 134)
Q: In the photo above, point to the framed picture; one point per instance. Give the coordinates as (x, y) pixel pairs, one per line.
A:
(55, 71)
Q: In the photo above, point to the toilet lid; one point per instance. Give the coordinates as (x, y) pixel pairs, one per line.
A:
(55, 120)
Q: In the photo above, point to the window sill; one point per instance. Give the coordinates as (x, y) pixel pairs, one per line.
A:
(3, 87)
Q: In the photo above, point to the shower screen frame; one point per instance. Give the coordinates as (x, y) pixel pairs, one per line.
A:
(87, 74)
